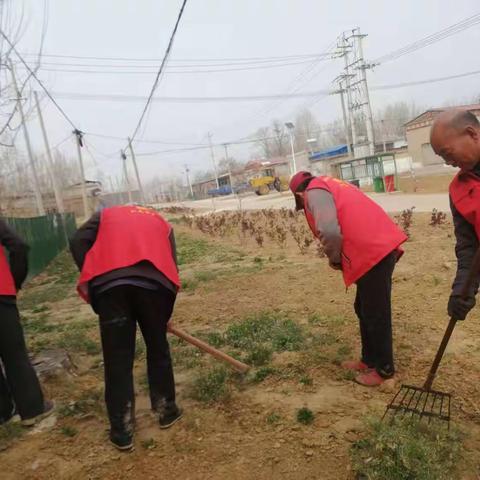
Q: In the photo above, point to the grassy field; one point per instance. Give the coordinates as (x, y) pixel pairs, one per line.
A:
(271, 301)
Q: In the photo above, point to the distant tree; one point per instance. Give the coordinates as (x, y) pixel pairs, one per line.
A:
(306, 127)
(280, 139)
(262, 143)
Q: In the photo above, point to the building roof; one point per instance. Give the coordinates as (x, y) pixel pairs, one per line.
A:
(263, 163)
(426, 118)
(329, 152)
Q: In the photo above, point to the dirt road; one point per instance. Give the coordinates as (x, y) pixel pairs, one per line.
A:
(390, 202)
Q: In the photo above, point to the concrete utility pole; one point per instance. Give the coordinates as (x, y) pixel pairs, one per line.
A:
(51, 167)
(79, 137)
(187, 173)
(345, 121)
(346, 48)
(36, 184)
(363, 73)
(134, 160)
(293, 167)
(213, 158)
(225, 146)
(125, 174)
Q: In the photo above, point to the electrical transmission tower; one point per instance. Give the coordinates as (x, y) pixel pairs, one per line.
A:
(353, 87)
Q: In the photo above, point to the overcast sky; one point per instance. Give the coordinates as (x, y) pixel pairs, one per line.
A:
(232, 29)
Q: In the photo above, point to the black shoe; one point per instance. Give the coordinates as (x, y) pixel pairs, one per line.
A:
(122, 441)
(169, 418)
(48, 409)
(7, 414)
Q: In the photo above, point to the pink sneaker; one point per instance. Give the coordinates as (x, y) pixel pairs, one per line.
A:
(355, 365)
(370, 378)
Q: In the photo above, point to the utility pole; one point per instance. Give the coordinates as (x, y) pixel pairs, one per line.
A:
(36, 184)
(187, 173)
(213, 158)
(341, 91)
(51, 168)
(225, 146)
(125, 174)
(384, 136)
(346, 48)
(134, 160)
(79, 137)
(363, 73)
(291, 127)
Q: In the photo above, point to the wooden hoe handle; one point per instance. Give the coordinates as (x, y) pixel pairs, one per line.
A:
(237, 365)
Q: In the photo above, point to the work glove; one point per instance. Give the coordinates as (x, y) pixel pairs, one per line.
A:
(458, 307)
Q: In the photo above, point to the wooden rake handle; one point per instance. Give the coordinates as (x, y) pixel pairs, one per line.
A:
(472, 275)
(237, 365)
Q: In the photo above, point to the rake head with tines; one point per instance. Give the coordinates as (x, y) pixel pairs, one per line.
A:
(423, 401)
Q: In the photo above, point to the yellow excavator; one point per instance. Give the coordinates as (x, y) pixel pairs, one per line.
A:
(266, 181)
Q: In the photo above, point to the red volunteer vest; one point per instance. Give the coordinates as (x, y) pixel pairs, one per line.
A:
(128, 235)
(465, 195)
(7, 284)
(369, 234)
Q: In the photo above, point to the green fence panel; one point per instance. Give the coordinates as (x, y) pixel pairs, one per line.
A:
(46, 236)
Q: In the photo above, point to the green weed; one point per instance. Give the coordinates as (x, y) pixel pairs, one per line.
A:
(406, 449)
(259, 355)
(78, 341)
(342, 353)
(262, 373)
(149, 444)
(306, 380)
(305, 416)
(40, 309)
(211, 386)
(69, 431)
(9, 432)
(273, 418)
(215, 339)
(39, 325)
(187, 356)
(266, 327)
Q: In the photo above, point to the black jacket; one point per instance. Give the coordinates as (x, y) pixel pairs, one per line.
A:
(466, 246)
(83, 241)
(17, 251)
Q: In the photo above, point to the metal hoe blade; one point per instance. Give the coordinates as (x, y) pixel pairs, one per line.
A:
(420, 403)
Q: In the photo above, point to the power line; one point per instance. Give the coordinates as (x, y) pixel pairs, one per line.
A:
(422, 82)
(160, 70)
(192, 65)
(228, 59)
(173, 72)
(242, 98)
(33, 74)
(112, 137)
(430, 39)
(139, 98)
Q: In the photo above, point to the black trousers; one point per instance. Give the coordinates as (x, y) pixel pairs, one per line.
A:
(373, 308)
(119, 310)
(18, 380)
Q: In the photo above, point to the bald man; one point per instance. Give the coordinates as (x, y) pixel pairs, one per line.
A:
(455, 136)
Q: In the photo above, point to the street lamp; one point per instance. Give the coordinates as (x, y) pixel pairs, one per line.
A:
(291, 128)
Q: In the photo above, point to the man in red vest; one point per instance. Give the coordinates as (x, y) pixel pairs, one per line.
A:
(129, 274)
(455, 136)
(363, 242)
(19, 386)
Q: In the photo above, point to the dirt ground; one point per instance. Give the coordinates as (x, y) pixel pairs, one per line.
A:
(425, 184)
(254, 433)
